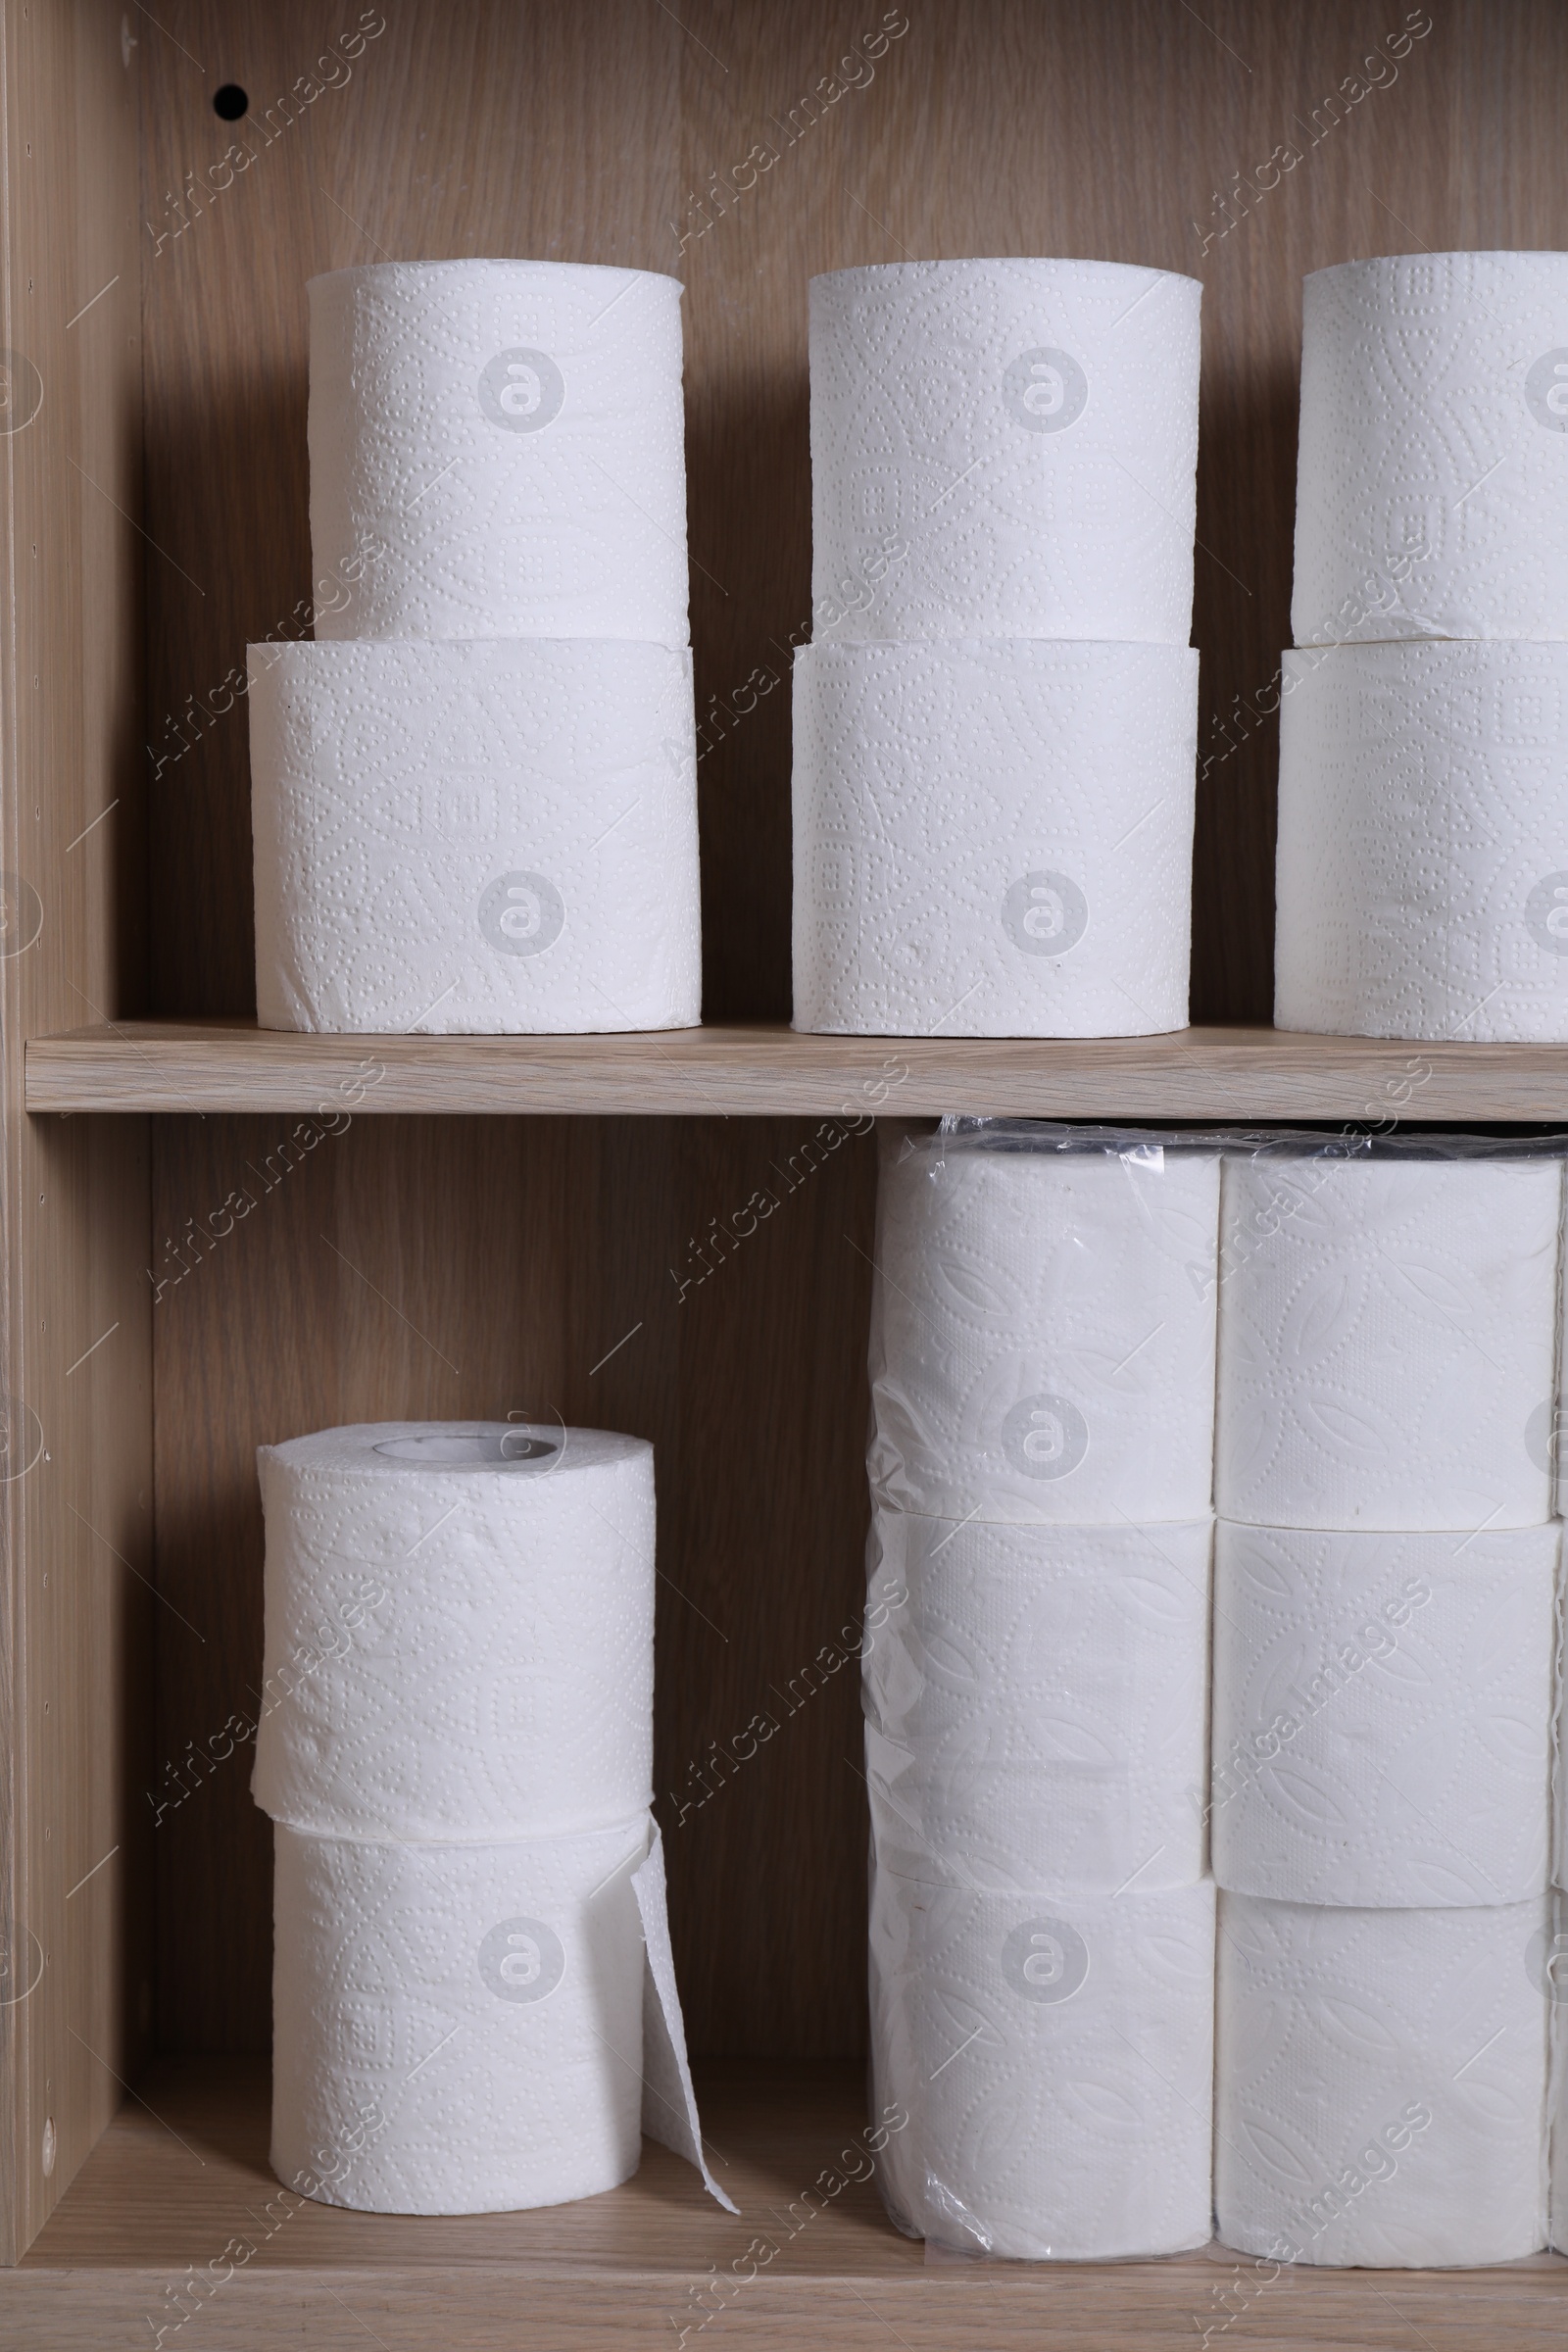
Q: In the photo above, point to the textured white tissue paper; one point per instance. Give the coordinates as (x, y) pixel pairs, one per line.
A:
(497, 450)
(1043, 1333)
(457, 2029)
(1055, 2059)
(1387, 1342)
(669, 2102)
(1034, 1701)
(1422, 870)
(1383, 1715)
(1004, 449)
(1431, 489)
(1382, 2083)
(485, 836)
(993, 840)
(460, 1629)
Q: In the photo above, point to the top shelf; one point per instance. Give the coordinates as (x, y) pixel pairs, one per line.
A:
(1236, 1075)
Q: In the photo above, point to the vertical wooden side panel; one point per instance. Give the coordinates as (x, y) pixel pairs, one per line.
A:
(76, 1464)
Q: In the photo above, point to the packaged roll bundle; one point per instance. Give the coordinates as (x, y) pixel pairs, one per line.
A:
(1387, 1338)
(1432, 491)
(1383, 1710)
(1423, 844)
(1022, 434)
(1043, 1326)
(1423, 2034)
(1054, 2061)
(994, 839)
(474, 2001)
(504, 442)
(460, 1629)
(489, 836)
(1035, 1702)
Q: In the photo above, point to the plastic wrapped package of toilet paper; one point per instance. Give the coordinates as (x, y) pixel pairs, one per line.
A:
(1557, 1985)
(1004, 449)
(1431, 489)
(1383, 1715)
(1386, 1335)
(481, 837)
(497, 450)
(1381, 2088)
(1043, 1325)
(460, 2028)
(1422, 872)
(1036, 1702)
(459, 1630)
(1053, 2060)
(994, 839)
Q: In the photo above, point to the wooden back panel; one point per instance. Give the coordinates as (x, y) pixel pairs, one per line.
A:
(1133, 129)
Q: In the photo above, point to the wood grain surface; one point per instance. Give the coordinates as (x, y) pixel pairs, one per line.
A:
(182, 2182)
(752, 1070)
(76, 1485)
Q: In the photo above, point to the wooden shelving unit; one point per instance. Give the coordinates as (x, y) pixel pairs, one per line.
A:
(181, 2177)
(198, 1258)
(739, 1070)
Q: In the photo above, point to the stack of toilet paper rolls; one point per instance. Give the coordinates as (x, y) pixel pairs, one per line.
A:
(1423, 831)
(1042, 1935)
(474, 2005)
(474, 795)
(995, 727)
(1385, 1634)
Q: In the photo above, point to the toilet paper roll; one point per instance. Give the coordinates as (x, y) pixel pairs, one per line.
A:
(483, 837)
(993, 840)
(1004, 449)
(1043, 1333)
(1432, 491)
(1382, 2082)
(1387, 1340)
(1036, 1702)
(1383, 1715)
(1422, 872)
(457, 2029)
(497, 451)
(1054, 2061)
(460, 1629)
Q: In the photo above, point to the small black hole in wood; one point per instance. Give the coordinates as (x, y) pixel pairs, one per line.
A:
(229, 103)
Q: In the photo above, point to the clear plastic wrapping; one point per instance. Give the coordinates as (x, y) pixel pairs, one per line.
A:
(1084, 1341)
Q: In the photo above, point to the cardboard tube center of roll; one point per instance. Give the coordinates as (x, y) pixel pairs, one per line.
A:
(466, 1449)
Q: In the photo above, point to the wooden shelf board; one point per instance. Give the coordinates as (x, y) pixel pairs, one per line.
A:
(735, 1070)
(182, 2172)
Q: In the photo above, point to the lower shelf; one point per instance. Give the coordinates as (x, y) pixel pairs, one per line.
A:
(179, 2184)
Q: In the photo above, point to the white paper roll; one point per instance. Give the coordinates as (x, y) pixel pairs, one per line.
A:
(1422, 872)
(457, 2029)
(459, 1630)
(1055, 2064)
(1387, 1340)
(493, 836)
(1035, 1702)
(1382, 2083)
(1432, 491)
(1043, 1333)
(1383, 1709)
(993, 840)
(1004, 449)
(500, 444)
